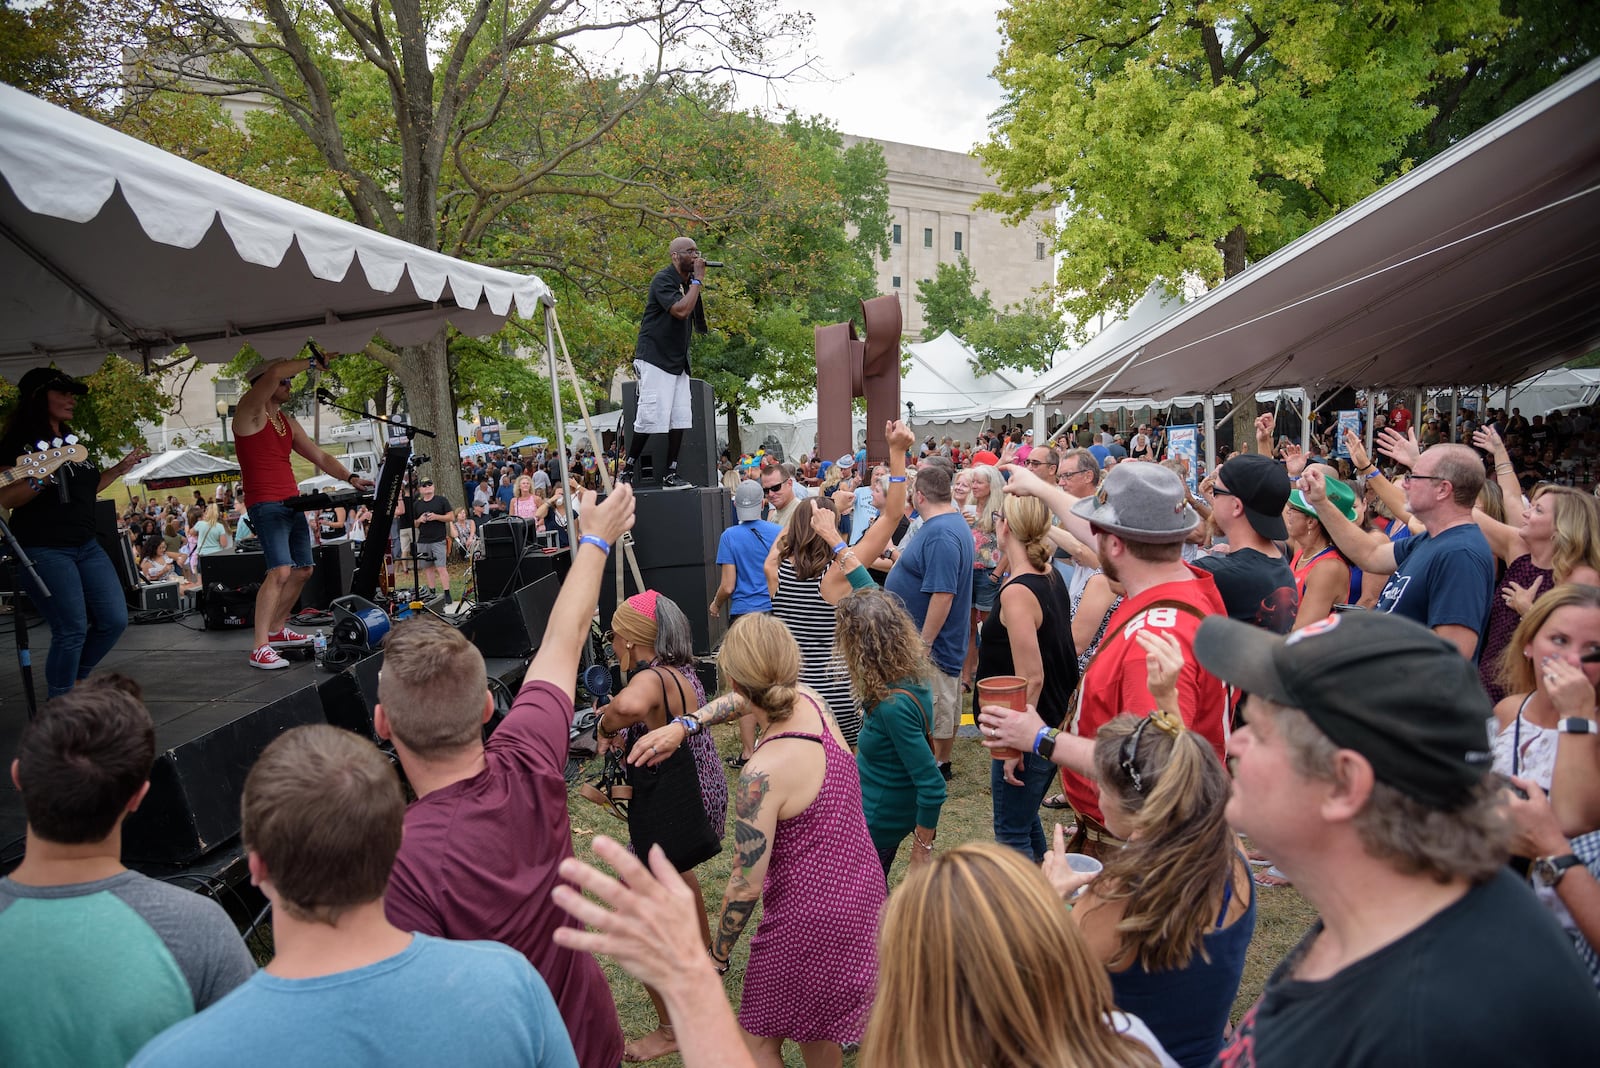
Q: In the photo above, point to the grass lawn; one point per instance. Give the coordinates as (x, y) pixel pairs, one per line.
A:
(1282, 914)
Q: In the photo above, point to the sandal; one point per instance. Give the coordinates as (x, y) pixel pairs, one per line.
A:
(1056, 801)
(1271, 877)
(738, 761)
(610, 789)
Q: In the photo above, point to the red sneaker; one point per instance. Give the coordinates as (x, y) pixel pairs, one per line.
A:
(288, 639)
(267, 659)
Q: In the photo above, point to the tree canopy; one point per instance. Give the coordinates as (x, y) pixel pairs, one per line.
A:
(1184, 140)
(1023, 337)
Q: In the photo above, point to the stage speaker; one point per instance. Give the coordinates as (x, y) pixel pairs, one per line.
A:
(193, 804)
(512, 627)
(233, 570)
(497, 577)
(349, 696)
(504, 538)
(333, 569)
(675, 535)
(697, 460)
(116, 546)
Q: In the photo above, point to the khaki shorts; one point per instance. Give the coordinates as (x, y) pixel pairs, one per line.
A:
(946, 704)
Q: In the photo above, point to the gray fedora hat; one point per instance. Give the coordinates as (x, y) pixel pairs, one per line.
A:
(1141, 502)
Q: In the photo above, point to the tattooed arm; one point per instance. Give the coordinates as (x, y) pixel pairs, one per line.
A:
(755, 824)
(666, 739)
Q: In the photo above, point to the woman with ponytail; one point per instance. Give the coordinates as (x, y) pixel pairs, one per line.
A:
(1029, 636)
(803, 853)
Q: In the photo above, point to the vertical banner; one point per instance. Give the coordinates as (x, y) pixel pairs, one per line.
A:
(1184, 441)
(1350, 421)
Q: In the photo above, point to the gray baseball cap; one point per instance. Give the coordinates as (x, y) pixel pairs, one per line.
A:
(1141, 502)
(747, 499)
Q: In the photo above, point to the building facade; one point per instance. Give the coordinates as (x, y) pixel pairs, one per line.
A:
(931, 197)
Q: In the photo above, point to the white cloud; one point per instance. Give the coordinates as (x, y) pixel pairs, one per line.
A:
(916, 71)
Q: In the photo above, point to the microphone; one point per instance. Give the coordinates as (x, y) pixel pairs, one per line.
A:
(327, 396)
(715, 263)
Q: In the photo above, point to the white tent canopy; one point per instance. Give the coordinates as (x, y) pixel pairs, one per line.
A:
(108, 244)
(1560, 388)
(180, 463)
(1480, 266)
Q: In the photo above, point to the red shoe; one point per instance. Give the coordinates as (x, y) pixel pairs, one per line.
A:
(267, 659)
(288, 639)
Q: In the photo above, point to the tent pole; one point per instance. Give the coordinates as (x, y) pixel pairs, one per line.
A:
(1086, 405)
(1305, 420)
(1041, 432)
(549, 302)
(1211, 434)
(1372, 411)
(1455, 410)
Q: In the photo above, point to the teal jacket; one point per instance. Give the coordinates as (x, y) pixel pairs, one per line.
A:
(901, 787)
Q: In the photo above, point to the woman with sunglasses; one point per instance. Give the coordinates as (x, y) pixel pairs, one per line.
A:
(1031, 637)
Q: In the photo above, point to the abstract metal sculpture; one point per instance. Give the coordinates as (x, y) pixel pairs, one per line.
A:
(848, 368)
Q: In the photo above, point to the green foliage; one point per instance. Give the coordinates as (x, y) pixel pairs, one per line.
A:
(108, 417)
(949, 301)
(1186, 139)
(1023, 337)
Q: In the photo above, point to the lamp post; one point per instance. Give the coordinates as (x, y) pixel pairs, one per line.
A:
(224, 413)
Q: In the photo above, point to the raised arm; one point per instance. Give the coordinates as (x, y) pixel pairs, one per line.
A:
(1351, 539)
(1487, 438)
(568, 628)
(1025, 483)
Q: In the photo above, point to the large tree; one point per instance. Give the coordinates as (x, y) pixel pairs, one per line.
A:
(1023, 336)
(439, 123)
(1184, 140)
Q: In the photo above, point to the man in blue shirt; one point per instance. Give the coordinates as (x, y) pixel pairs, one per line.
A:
(1444, 578)
(933, 577)
(741, 555)
(322, 817)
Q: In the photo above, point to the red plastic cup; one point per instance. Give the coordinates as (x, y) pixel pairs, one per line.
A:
(1010, 691)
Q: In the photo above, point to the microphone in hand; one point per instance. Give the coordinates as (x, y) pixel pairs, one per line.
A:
(714, 263)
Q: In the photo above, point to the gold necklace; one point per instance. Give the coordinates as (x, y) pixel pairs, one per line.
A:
(276, 419)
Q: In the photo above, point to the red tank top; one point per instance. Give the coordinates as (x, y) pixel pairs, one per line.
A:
(264, 463)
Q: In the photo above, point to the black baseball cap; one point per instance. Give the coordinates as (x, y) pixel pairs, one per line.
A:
(42, 378)
(1379, 684)
(1262, 486)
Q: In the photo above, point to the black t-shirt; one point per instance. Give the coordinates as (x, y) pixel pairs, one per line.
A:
(432, 529)
(663, 339)
(1056, 651)
(1258, 589)
(1491, 980)
(46, 522)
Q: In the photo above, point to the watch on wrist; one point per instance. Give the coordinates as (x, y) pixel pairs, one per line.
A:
(1548, 871)
(1577, 725)
(1047, 743)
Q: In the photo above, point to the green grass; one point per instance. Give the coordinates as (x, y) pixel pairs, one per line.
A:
(1282, 915)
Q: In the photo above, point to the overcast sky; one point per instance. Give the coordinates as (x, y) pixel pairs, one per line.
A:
(915, 71)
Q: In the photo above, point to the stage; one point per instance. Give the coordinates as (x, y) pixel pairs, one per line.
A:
(213, 713)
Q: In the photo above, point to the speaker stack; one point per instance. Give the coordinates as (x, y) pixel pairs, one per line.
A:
(697, 460)
(675, 535)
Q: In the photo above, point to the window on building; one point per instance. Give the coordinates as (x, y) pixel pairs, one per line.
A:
(958, 240)
(897, 233)
(1038, 250)
(896, 281)
(927, 237)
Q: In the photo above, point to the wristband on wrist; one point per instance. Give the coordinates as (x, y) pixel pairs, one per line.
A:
(696, 282)
(598, 542)
(1370, 475)
(1039, 737)
(897, 478)
(839, 548)
(1577, 725)
(689, 724)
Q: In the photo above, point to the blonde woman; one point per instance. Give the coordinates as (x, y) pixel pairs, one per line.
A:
(211, 537)
(988, 487)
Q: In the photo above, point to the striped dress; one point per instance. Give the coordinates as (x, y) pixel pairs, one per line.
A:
(811, 620)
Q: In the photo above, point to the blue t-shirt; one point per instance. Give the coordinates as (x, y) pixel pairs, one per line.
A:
(504, 493)
(863, 513)
(435, 1002)
(1444, 579)
(745, 547)
(939, 560)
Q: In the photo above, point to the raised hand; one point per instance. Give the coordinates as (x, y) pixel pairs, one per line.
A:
(1401, 448)
(1312, 486)
(608, 519)
(826, 525)
(1357, 449)
(900, 436)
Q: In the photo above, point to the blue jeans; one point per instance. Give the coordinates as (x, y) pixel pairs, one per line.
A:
(87, 610)
(284, 534)
(1016, 808)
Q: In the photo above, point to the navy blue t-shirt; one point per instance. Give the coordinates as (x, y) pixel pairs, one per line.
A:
(745, 547)
(939, 560)
(1444, 579)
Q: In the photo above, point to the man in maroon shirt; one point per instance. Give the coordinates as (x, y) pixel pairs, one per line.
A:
(489, 826)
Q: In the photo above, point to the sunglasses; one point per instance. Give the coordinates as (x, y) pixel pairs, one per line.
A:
(1408, 477)
(1130, 750)
(1218, 491)
(770, 490)
(1037, 463)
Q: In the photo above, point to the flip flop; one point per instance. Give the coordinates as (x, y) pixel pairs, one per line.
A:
(1056, 801)
(1271, 878)
(738, 761)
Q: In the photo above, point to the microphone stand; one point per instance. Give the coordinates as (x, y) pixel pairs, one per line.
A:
(19, 560)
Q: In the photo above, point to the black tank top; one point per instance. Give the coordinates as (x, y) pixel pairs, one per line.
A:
(1056, 650)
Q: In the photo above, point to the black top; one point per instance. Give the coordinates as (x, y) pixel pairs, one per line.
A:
(432, 529)
(1056, 651)
(46, 522)
(663, 339)
(1258, 589)
(1490, 980)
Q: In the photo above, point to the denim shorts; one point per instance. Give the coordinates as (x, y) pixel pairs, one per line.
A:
(285, 535)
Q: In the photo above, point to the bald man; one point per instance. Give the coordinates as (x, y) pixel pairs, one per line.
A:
(672, 313)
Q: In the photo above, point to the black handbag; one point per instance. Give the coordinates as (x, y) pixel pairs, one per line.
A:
(667, 809)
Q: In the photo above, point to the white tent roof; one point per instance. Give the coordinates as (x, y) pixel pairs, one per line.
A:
(940, 378)
(110, 244)
(1480, 266)
(180, 463)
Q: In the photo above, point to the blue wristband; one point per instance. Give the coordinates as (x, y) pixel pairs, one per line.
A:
(841, 547)
(1039, 737)
(695, 282)
(897, 478)
(689, 724)
(598, 543)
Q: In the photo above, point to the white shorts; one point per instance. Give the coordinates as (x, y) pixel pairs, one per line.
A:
(663, 400)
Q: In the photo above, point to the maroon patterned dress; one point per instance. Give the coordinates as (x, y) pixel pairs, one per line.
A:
(813, 967)
(1503, 620)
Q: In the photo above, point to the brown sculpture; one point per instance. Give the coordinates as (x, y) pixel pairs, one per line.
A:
(848, 368)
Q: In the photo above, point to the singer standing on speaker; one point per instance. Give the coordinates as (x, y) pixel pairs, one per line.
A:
(54, 523)
(264, 436)
(672, 313)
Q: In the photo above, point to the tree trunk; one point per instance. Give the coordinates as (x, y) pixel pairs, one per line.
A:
(424, 373)
(735, 445)
(1234, 247)
(1244, 423)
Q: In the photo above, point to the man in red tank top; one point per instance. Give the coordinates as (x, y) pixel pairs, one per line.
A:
(264, 436)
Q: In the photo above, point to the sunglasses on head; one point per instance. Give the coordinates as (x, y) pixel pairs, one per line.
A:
(1129, 751)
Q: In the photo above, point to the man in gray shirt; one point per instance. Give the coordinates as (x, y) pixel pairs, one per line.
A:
(95, 959)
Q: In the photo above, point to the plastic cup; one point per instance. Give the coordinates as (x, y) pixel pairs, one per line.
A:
(1084, 864)
(1010, 691)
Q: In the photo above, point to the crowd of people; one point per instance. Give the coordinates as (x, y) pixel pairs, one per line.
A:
(1199, 675)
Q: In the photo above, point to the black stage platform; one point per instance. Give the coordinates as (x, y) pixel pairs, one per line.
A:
(213, 714)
